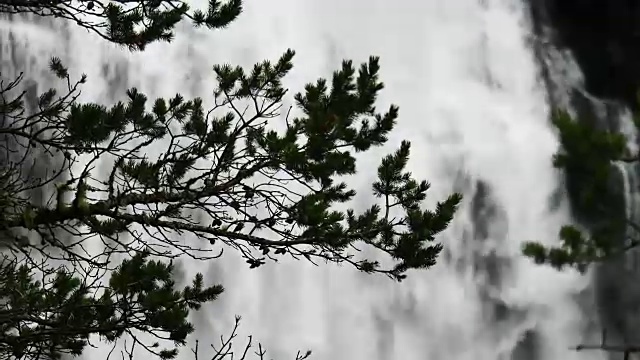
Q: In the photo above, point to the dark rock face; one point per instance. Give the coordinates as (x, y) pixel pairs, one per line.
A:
(604, 36)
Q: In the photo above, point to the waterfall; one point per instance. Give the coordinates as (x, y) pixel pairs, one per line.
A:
(465, 78)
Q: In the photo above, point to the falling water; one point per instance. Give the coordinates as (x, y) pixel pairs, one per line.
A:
(475, 110)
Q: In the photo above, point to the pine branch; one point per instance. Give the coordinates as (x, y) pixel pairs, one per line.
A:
(225, 178)
(627, 350)
(251, 169)
(131, 23)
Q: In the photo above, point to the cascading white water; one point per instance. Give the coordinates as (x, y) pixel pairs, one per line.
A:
(474, 109)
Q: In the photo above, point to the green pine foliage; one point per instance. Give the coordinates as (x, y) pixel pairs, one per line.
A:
(242, 175)
(55, 316)
(131, 23)
(588, 156)
(240, 149)
(313, 150)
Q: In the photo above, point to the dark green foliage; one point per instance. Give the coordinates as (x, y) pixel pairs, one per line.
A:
(240, 175)
(311, 151)
(57, 315)
(587, 156)
(590, 179)
(131, 23)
